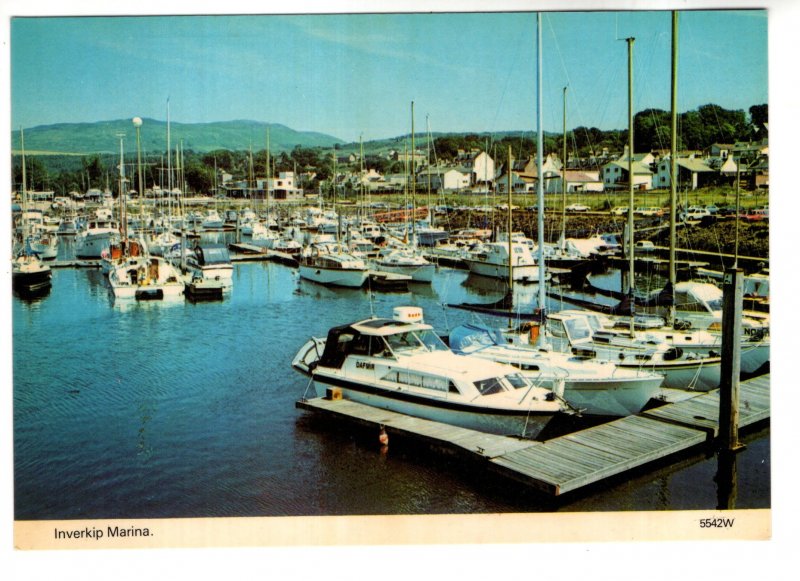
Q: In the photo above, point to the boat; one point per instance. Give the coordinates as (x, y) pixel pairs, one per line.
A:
(406, 262)
(145, 278)
(30, 277)
(754, 350)
(212, 220)
(593, 386)
(210, 262)
(100, 232)
(324, 264)
(573, 332)
(400, 364)
(492, 259)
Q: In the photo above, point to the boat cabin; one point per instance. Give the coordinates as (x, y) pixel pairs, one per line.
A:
(378, 338)
(212, 254)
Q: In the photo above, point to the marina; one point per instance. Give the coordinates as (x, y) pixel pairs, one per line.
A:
(242, 319)
(148, 411)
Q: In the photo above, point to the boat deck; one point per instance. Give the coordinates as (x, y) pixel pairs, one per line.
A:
(576, 460)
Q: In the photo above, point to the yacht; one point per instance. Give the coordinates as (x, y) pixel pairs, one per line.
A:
(401, 365)
(145, 278)
(492, 259)
(97, 236)
(324, 264)
(210, 262)
(592, 386)
(406, 261)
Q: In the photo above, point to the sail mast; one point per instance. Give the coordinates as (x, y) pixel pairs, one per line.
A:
(563, 240)
(630, 41)
(413, 184)
(539, 169)
(510, 248)
(673, 162)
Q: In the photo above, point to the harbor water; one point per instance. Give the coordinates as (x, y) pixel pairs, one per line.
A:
(178, 409)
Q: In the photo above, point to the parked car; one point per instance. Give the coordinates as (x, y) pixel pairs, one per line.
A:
(649, 211)
(712, 209)
(757, 215)
(619, 211)
(577, 208)
(727, 211)
(644, 246)
(694, 213)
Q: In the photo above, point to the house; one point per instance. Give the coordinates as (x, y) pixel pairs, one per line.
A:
(478, 164)
(520, 183)
(283, 187)
(720, 150)
(615, 175)
(445, 178)
(693, 173)
(551, 170)
(579, 181)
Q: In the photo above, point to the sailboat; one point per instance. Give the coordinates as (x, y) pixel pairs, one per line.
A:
(140, 275)
(29, 275)
(595, 387)
(408, 260)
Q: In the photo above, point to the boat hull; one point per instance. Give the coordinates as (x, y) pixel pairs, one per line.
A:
(516, 423)
(521, 273)
(611, 397)
(351, 278)
(417, 272)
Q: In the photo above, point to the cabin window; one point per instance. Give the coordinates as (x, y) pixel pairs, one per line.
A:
(516, 380)
(451, 387)
(687, 302)
(403, 341)
(419, 380)
(489, 386)
(578, 329)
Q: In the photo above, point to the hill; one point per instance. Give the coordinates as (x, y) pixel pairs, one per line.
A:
(103, 137)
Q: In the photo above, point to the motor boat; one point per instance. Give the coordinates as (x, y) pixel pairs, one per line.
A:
(401, 365)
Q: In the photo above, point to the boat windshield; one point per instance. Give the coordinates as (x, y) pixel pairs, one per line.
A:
(578, 329)
(517, 380)
(406, 341)
(490, 386)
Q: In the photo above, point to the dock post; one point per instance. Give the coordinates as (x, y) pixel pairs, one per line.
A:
(732, 290)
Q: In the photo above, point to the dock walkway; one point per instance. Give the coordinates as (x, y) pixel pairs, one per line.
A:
(573, 461)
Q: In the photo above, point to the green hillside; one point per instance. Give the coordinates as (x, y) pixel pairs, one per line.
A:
(103, 137)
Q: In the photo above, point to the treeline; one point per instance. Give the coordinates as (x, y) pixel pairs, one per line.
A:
(697, 130)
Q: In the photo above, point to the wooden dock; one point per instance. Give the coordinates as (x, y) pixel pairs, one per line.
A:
(576, 460)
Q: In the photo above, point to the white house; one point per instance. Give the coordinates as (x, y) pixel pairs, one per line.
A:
(478, 164)
(615, 175)
(578, 181)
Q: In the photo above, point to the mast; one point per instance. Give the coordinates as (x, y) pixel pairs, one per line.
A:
(510, 249)
(137, 122)
(630, 41)
(673, 163)
(169, 167)
(562, 242)
(539, 171)
(413, 183)
(122, 206)
(25, 195)
(269, 177)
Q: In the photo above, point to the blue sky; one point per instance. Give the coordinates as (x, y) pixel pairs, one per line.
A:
(351, 75)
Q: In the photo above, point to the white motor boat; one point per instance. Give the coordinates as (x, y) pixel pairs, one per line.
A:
(98, 236)
(323, 264)
(682, 369)
(210, 262)
(212, 221)
(407, 262)
(401, 365)
(594, 387)
(754, 347)
(492, 259)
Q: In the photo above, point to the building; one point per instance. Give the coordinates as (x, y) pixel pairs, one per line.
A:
(693, 173)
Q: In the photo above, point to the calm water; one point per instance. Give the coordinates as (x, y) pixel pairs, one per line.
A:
(163, 409)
